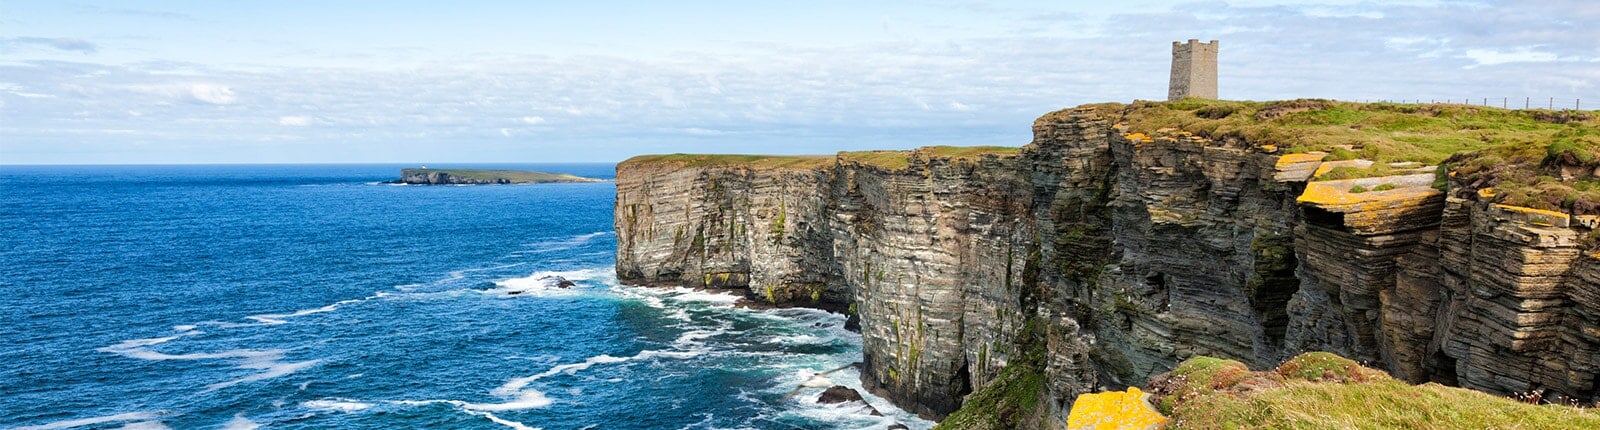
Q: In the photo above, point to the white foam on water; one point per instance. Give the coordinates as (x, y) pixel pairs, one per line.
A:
(526, 399)
(562, 244)
(514, 386)
(505, 422)
(275, 319)
(337, 405)
(131, 416)
(146, 425)
(239, 422)
(692, 339)
(188, 327)
(272, 368)
(546, 283)
(268, 361)
(683, 294)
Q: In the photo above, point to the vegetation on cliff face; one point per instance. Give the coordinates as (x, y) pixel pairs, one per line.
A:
(1534, 158)
(1321, 390)
(1013, 400)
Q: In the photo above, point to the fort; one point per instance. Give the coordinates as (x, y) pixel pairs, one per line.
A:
(1194, 70)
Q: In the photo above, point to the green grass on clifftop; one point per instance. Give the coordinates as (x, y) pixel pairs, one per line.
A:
(1325, 391)
(889, 159)
(1534, 158)
(748, 160)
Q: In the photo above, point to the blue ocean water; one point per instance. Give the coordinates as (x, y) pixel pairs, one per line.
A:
(317, 297)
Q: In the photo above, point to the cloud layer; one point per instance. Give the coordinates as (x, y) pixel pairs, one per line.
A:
(976, 88)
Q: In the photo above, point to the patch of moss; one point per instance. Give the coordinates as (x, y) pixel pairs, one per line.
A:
(1321, 390)
(1012, 400)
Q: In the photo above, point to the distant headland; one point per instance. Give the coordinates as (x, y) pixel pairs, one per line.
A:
(426, 176)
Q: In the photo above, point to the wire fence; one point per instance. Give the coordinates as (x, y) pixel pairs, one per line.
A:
(1549, 103)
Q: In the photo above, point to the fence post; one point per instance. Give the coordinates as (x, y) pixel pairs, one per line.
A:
(1503, 101)
(1552, 103)
(1525, 101)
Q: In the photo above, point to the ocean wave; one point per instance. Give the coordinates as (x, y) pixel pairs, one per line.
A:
(268, 361)
(337, 405)
(82, 422)
(145, 425)
(560, 244)
(546, 283)
(505, 422)
(239, 422)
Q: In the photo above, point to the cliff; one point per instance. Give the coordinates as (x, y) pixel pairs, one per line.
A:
(1127, 238)
(426, 176)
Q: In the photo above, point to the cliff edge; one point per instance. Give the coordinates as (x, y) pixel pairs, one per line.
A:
(1440, 243)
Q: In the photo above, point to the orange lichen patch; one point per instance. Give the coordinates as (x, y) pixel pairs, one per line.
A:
(1137, 137)
(1537, 216)
(1485, 193)
(1308, 157)
(1379, 209)
(1270, 148)
(1114, 410)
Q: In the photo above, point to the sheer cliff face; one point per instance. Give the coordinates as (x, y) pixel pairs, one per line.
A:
(1133, 253)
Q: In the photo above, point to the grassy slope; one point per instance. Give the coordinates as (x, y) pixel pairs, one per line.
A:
(1518, 153)
(515, 176)
(1322, 390)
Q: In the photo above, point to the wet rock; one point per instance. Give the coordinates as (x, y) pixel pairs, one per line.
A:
(839, 394)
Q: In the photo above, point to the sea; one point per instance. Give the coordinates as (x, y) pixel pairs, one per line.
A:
(319, 296)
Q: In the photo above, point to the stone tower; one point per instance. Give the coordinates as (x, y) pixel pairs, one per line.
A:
(1194, 70)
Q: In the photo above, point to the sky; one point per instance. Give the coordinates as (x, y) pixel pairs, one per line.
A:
(333, 81)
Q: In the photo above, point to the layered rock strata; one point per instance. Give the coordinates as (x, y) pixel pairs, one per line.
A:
(1132, 251)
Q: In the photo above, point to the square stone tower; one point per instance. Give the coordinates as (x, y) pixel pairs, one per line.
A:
(1194, 70)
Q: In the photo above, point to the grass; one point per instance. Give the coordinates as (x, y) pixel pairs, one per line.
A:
(511, 176)
(893, 160)
(1322, 390)
(735, 160)
(1521, 154)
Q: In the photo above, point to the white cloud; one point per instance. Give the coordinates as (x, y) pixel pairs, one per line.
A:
(216, 94)
(295, 121)
(505, 132)
(1489, 57)
(212, 93)
(533, 120)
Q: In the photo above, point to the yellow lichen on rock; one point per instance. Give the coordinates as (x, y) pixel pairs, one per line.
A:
(1114, 410)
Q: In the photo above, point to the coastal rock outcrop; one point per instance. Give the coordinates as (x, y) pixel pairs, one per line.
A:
(1113, 254)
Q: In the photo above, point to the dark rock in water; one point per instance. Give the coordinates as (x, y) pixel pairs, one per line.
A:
(513, 293)
(853, 323)
(559, 281)
(898, 426)
(839, 394)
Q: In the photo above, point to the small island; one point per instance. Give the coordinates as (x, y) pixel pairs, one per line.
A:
(426, 176)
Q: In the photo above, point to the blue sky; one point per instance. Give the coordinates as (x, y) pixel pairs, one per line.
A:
(84, 82)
